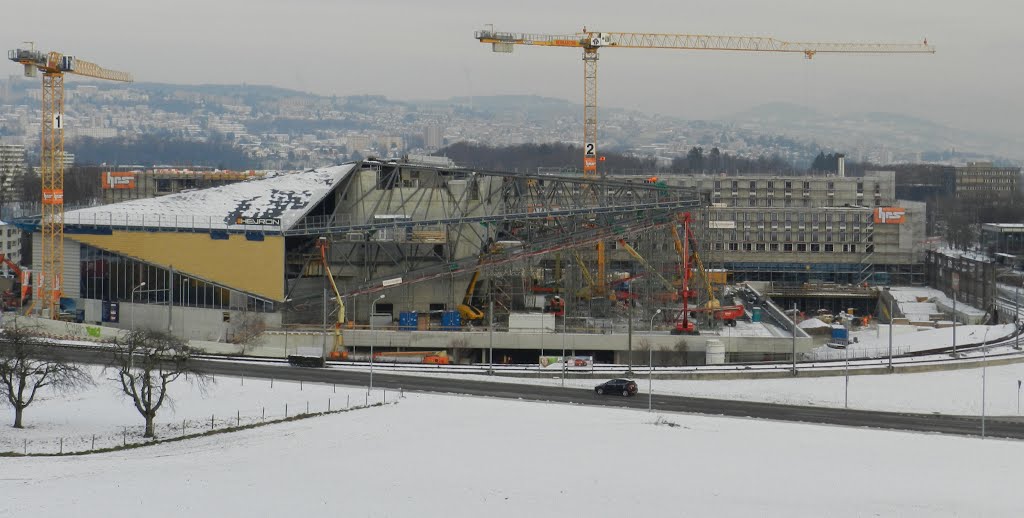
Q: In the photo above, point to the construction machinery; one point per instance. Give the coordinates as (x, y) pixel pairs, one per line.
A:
(338, 351)
(54, 65)
(467, 311)
(14, 298)
(590, 41)
(686, 247)
(427, 357)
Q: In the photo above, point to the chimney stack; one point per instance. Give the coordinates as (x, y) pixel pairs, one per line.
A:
(842, 166)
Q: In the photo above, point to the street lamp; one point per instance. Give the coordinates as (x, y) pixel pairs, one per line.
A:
(656, 313)
(373, 309)
(984, 364)
(132, 298)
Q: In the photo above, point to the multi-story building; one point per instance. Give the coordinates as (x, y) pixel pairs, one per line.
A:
(986, 182)
(433, 137)
(798, 229)
(10, 246)
(12, 167)
(138, 184)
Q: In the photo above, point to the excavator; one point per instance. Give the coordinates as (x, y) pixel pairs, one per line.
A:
(13, 298)
(338, 351)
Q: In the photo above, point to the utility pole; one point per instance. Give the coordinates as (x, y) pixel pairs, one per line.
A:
(794, 338)
(890, 332)
(1016, 318)
(490, 330)
(170, 303)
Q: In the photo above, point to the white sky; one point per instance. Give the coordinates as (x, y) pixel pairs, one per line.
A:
(413, 49)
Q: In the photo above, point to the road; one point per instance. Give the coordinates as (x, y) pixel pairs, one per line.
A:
(955, 425)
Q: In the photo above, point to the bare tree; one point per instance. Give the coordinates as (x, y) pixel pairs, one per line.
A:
(27, 364)
(247, 331)
(147, 362)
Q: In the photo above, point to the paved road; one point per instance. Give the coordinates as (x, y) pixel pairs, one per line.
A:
(957, 425)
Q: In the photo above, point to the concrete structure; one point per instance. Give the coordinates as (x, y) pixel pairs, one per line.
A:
(212, 264)
(970, 277)
(812, 229)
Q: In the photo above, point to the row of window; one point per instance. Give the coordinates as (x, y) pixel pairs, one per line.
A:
(854, 237)
(771, 202)
(850, 248)
(771, 184)
(798, 217)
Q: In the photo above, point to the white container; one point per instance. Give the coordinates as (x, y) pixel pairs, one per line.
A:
(715, 352)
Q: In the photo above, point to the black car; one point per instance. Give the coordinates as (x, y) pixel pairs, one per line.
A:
(617, 386)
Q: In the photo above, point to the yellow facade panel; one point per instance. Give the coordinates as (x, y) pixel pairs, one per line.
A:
(255, 267)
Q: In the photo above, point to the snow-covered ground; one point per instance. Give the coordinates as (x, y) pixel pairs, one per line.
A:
(460, 456)
(106, 413)
(911, 339)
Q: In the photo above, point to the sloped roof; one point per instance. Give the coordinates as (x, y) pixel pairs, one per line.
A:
(274, 203)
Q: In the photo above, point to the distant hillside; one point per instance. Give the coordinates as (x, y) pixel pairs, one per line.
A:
(528, 157)
(890, 130)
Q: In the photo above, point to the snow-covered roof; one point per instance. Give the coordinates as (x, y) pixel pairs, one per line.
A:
(274, 203)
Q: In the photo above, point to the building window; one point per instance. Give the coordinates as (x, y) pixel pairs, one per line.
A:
(747, 247)
(773, 247)
(801, 247)
(734, 247)
(760, 247)
(829, 248)
(787, 247)
(815, 247)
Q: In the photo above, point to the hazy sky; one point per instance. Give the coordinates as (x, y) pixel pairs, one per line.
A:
(412, 49)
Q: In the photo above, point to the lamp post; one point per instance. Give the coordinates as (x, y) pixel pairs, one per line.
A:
(629, 300)
(133, 303)
(373, 309)
(650, 378)
(984, 364)
(656, 313)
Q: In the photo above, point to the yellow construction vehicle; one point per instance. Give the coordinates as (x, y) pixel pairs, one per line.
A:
(338, 351)
(467, 311)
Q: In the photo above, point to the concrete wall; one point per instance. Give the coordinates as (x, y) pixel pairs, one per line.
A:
(431, 340)
(186, 323)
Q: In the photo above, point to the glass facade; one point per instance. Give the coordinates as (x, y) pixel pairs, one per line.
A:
(114, 277)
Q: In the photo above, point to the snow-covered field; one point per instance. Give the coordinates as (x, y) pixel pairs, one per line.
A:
(450, 456)
(103, 412)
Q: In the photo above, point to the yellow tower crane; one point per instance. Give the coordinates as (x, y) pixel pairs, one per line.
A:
(591, 41)
(54, 65)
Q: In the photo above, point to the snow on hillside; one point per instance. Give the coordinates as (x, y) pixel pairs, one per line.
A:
(284, 197)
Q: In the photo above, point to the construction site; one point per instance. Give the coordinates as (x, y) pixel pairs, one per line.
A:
(421, 260)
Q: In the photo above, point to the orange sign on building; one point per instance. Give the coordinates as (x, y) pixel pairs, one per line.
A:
(113, 180)
(890, 215)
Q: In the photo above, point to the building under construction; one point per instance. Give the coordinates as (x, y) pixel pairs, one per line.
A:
(413, 231)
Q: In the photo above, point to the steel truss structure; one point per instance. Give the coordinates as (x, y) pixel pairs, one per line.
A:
(396, 224)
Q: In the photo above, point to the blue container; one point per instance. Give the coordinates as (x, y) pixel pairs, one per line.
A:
(451, 320)
(755, 315)
(408, 320)
(840, 333)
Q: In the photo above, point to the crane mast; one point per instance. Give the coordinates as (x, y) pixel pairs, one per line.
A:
(54, 65)
(591, 41)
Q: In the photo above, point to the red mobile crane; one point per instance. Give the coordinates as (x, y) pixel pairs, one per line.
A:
(690, 259)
